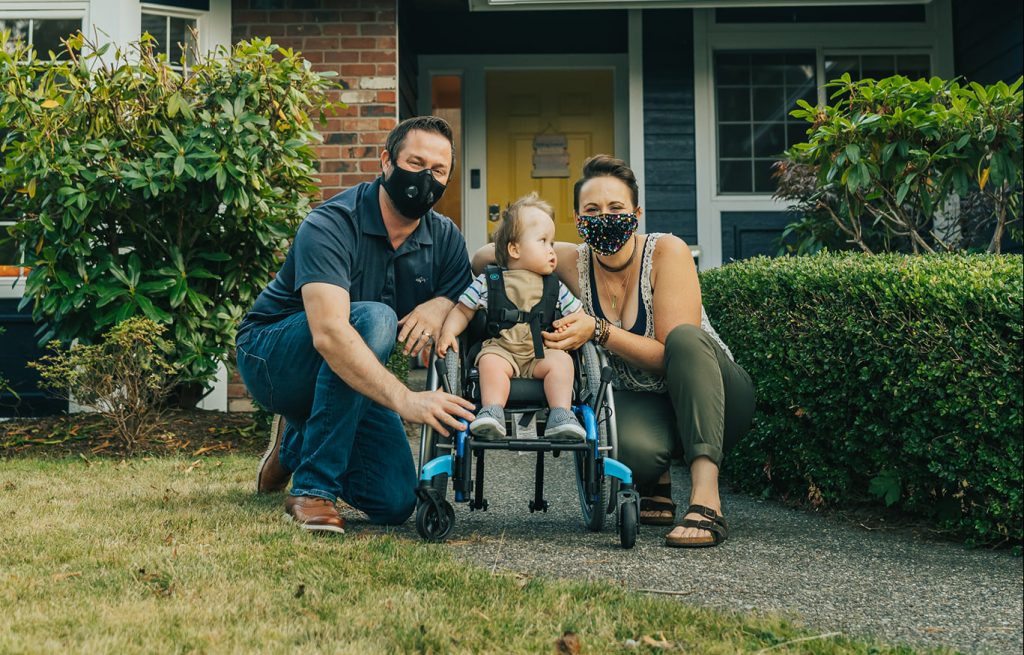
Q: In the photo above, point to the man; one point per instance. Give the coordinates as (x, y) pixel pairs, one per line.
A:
(314, 345)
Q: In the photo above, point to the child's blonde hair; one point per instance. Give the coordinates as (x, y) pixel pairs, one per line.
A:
(511, 228)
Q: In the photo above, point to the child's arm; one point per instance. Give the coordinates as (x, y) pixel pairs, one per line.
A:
(454, 324)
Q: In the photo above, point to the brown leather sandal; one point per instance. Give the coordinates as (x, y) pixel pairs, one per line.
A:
(713, 522)
(648, 504)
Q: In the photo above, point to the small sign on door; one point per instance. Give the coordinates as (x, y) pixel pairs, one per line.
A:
(550, 156)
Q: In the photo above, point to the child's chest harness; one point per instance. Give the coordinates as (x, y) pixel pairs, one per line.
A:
(502, 313)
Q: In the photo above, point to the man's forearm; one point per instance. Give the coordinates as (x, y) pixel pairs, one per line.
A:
(353, 361)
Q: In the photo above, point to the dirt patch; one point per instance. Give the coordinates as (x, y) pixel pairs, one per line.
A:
(193, 433)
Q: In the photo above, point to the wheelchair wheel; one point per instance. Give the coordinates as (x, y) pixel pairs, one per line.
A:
(436, 445)
(593, 506)
(433, 525)
(628, 523)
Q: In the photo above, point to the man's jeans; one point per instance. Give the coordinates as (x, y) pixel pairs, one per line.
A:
(338, 443)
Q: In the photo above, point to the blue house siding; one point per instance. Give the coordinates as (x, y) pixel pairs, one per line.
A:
(748, 234)
(987, 42)
(18, 349)
(670, 168)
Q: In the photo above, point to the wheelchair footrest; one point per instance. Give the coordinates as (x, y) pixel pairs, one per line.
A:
(528, 445)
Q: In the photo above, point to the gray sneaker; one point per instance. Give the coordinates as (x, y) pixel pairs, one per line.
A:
(489, 424)
(563, 426)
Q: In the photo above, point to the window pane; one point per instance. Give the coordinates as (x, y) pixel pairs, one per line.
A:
(181, 36)
(913, 66)
(734, 104)
(836, 65)
(734, 140)
(732, 69)
(157, 28)
(877, 66)
(769, 140)
(763, 182)
(18, 29)
(770, 104)
(46, 34)
(734, 177)
(796, 133)
(768, 69)
(799, 71)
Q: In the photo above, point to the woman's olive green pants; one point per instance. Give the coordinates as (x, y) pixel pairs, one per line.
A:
(707, 408)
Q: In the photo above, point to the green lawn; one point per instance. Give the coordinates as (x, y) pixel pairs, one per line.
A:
(165, 555)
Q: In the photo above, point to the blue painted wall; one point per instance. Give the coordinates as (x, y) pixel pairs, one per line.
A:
(17, 348)
(669, 150)
(987, 40)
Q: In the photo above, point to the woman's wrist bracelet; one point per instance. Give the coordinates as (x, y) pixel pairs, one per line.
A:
(605, 333)
(597, 330)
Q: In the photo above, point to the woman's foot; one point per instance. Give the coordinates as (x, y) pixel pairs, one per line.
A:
(656, 506)
(702, 525)
(681, 532)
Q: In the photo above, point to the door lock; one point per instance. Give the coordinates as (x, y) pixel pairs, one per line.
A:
(494, 213)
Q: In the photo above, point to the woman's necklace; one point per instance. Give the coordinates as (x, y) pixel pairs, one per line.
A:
(618, 291)
(616, 269)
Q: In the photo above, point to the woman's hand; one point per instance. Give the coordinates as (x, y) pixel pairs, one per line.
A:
(571, 332)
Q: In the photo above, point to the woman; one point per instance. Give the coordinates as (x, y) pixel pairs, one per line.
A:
(679, 390)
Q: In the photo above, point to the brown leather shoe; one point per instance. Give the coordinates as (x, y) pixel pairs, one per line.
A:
(271, 476)
(314, 514)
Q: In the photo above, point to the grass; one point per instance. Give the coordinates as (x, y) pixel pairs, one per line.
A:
(173, 556)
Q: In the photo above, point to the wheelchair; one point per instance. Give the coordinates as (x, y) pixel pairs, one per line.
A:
(605, 485)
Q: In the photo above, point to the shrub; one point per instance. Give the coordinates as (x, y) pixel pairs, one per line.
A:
(890, 158)
(125, 377)
(889, 377)
(141, 192)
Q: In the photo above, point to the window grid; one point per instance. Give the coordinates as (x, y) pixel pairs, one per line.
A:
(174, 38)
(768, 131)
(746, 171)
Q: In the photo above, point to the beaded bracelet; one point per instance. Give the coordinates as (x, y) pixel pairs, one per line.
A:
(605, 333)
(597, 330)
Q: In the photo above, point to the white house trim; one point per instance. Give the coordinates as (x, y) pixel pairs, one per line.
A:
(472, 69)
(636, 104)
(932, 36)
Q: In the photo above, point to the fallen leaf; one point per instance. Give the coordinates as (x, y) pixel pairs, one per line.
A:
(647, 640)
(64, 576)
(568, 644)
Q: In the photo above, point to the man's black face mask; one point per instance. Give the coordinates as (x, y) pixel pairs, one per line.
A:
(413, 194)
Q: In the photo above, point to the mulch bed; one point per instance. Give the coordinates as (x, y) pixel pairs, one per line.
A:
(191, 433)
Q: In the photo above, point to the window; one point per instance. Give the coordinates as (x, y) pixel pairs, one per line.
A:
(754, 93)
(756, 90)
(174, 37)
(876, 66)
(43, 34)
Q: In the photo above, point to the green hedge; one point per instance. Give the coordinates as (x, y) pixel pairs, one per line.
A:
(887, 377)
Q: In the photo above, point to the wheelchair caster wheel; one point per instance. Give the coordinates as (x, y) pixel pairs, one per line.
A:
(433, 525)
(628, 524)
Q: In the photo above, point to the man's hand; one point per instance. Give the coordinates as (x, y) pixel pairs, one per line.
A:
(437, 409)
(418, 326)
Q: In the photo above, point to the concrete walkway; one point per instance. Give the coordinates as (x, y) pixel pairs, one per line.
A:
(829, 574)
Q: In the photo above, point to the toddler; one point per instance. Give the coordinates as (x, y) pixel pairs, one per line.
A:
(524, 247)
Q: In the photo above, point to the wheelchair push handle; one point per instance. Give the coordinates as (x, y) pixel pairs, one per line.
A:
(607, 377)
(442, 374)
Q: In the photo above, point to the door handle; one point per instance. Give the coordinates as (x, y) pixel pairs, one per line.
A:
(494, 213)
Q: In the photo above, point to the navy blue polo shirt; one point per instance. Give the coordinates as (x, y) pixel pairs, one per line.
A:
(344, 242)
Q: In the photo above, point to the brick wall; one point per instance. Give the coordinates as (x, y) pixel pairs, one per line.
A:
(358, 40)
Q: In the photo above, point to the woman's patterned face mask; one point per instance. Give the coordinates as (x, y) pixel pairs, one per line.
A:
(606, 233)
